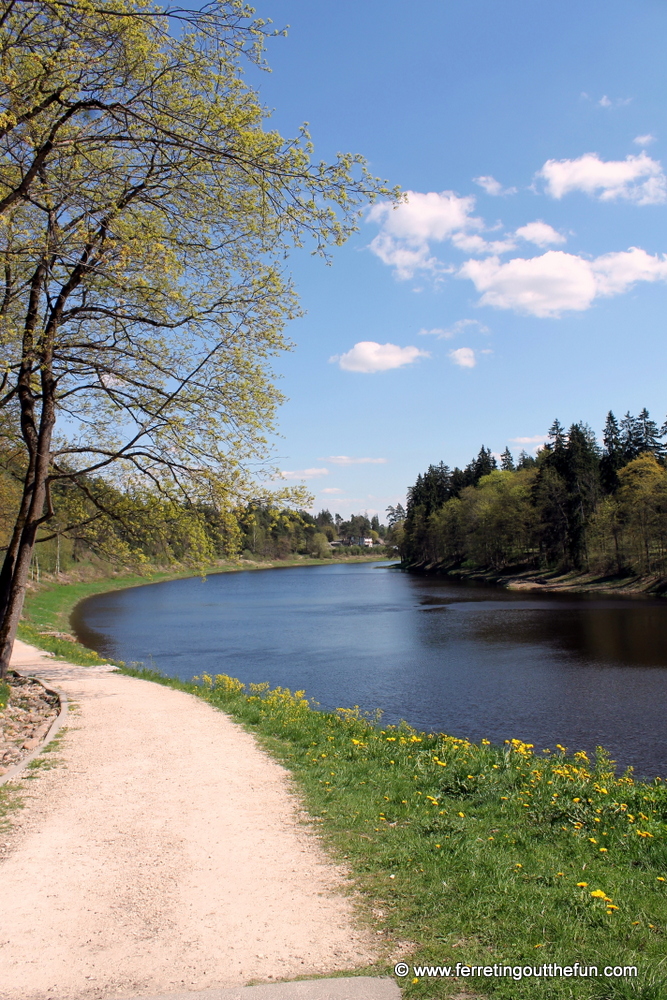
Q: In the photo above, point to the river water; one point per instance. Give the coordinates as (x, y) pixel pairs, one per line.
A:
(467, 659)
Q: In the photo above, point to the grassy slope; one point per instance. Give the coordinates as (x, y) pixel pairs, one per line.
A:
(478, 854)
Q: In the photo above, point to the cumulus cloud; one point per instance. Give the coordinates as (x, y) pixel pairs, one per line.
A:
(304, 473)
(408, 228)
(474, 243)
(346, 460)
(369, 356)
(644, 140)
(540, 233)
(557, 282)
(636, 178)
(493, 187)
(464, 357)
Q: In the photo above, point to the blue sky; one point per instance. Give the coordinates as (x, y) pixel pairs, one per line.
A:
(523, 280)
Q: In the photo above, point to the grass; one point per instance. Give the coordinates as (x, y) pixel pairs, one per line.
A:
(478, 854)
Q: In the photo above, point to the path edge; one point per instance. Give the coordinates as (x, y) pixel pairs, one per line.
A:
(57, 724)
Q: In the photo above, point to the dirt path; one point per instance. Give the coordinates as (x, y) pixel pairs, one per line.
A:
(164, 854)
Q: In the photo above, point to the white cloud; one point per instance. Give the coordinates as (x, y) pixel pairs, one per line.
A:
(332, 489)
(304, 473)
(557, 282)
(474, 243)
(424, 217)
(636, 178)
(458, 327)
(346, 460)
(541, 286)
(493, 187)
(368, 356)
(540, 233)
(464, 357)
(644, 140)
(604, 102)
(409, 227)
(617, 272)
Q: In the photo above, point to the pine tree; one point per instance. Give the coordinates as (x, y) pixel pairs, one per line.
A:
(506, 461)
(612, 456)
(648, 435)
(630, 438)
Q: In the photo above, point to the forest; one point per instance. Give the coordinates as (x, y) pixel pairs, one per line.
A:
(95, 522)
(578, 504)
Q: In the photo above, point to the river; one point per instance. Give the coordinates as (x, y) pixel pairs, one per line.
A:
(472, 660)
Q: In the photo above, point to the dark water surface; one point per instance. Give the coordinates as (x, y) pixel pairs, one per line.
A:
(468, 659)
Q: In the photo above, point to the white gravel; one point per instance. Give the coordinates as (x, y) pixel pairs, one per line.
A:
(165, 853)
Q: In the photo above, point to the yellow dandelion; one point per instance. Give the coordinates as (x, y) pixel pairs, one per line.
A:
(582, 885)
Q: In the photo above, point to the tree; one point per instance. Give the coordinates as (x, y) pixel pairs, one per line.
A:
(642, 497)
(146, 220)
(612, 455)
(506, 461)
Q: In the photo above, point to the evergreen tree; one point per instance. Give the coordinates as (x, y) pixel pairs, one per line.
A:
(526, 461)
(582, 479)
(631, 438)
(648, 435)
(506, 461)
(612, 456)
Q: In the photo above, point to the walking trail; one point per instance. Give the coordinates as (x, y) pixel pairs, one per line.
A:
(164, 853)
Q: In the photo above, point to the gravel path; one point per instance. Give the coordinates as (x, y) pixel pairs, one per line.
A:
(166, 853)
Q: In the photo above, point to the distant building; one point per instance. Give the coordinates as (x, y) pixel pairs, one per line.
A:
(367, 542)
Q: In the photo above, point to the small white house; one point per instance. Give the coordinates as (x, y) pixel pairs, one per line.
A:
(367, 542)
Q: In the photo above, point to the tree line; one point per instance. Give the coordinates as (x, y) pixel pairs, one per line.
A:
(577, 504)
(95, 522)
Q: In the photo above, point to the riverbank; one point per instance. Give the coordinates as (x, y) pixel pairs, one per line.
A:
(46, 614)
(476, 854)
(553, 581)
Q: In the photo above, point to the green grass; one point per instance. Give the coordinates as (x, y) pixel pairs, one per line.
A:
(4, 695)
(478, 854)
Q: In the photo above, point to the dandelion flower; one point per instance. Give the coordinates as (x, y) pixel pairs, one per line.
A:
(582, 885)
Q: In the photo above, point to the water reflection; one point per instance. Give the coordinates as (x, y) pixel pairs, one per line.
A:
(467, 659)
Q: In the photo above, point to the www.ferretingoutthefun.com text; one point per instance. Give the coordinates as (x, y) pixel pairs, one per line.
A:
(546, 971)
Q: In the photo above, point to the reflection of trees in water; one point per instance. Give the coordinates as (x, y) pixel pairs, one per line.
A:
(624, 636)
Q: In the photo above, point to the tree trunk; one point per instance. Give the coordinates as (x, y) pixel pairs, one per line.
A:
(26, 544)
(9, 563)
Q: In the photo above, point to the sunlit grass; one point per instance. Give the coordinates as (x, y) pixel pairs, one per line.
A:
(479, 854)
